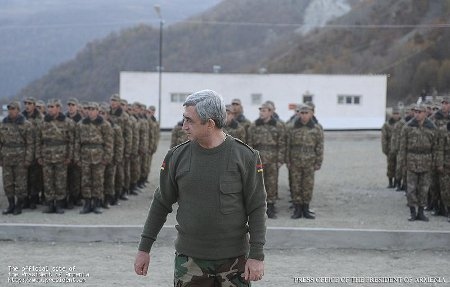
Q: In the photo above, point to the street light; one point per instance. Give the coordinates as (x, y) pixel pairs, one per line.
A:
(161, 23)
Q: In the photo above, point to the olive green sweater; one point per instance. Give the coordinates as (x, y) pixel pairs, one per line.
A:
(221, 201)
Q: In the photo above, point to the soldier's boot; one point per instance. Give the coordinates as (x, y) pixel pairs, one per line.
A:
(448, 213)
(123, 195)
(271, 211)
(399, 185)
(307, 213)
(33, 201)
(413, 216)
(11, 206)
(77, 201)
(298, 213)
(115, 199)
(26, 202)
(69, 202)
(403, 188)
(50, 208)
(133, 188)
(18, 206)
(106, 201)
(420, 215)
(59, 206)
(391, 184)
(86, 207)
(95, 205)
(141, 183)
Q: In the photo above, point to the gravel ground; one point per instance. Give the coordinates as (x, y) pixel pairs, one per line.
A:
(112, 265)
(350, 192)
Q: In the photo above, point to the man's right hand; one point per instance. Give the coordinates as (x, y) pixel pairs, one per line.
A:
(141, 263)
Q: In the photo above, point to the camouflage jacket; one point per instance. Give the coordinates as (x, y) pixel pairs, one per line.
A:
(144, 137)
(122, 119)
(178, 135)
(386, 136)
(16, 141)
(236, 130)
(35, 119)
(93, 141)
(154, 126)
(418, 146)
(443, 154)
(304, 144)
(117, 144)
(396, 132)
(55, 139)
(134, 135)
(440, 119)
(269, 139)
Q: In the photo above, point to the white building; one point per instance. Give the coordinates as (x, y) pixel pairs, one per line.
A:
(342, 101)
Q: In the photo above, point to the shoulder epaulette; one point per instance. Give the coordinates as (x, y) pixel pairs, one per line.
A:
(243, 143)
(181, 144)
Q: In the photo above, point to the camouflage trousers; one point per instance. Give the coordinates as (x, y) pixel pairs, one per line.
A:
(135, 168)
(92, 176)
(417, 188)
(400, 172)
(445, 188)
(302, 183)
(74, 181)
(391, 165)
(108, 184)
(209, 273)
(55, 181)
(126, 173)
(119, 178)
(271, 181)
(15, 180)
(35, 182)
(145, 167)
(435, 190)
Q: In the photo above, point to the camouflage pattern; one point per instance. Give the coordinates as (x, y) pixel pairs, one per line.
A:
(304, 155)
(93, 151)
(54, 149)
(418, 147)
(154, 135)
(110, 169)
(269, 139)
(135, 160)
(243, 121)
(178, 135)
(400, 172)
(121, 118)
(143, 148)
(386, 141)
(16, 154)
(443, 161)
(198, 272)
(235, 130)
(73, 170)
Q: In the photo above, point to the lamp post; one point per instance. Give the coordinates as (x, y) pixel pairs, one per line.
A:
(161, 23)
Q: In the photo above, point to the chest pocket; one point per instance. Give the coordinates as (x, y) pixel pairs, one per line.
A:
(231, 200)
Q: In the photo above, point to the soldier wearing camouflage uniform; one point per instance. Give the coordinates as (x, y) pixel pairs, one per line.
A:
(110, 169)
(267, 135)
(443, 166)
(238, 110)
(304, 156)
(418, 147)
(134, 163)
(178, 135)
(233, 128)
(35, 177)
(146, 145)
(154, 136)
(440, 118)
(16, 155)
(386, 141)
(121, 118)
(54, 152)
(93, 151)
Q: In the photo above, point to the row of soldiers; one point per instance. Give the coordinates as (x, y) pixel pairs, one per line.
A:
(297, 143)
(417, 147)
(94, 152)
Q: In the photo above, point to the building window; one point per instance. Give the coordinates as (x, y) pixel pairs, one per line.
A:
(349, 99)
(256, 99)
(178, 97)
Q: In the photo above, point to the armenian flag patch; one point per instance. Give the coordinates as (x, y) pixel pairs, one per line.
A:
(259, 168)
(163, 165)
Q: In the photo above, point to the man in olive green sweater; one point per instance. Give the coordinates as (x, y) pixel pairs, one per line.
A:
(218, 184)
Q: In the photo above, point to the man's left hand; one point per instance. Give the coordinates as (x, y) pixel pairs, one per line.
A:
(254, 270)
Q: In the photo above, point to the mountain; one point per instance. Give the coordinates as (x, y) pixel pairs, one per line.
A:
(37, 35)
(407, 39)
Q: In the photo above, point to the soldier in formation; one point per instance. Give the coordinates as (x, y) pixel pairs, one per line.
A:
(386, 144)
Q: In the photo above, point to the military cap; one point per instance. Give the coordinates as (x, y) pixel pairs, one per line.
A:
(311, 105)
(115, 97)
(271, 103)
(40, 103)
(304, 108)
(103, 108)
(152, 108)
(266, 106)
(395, 110)
(420, 107)
(144, 107)
(73, 101)
(229, 108)
(54, 102)
(236, 101)
(14, 104)
(29, 100)
(124, 102)
(445, 99)
(92, 105)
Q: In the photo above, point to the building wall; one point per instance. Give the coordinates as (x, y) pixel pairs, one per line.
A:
(283, 89)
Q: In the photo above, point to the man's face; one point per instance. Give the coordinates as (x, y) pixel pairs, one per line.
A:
(92, 113)
(151, 113)
(445, 106)
(72, 108)
(420, 115)
(114, 104)
(192, 125)
(265, 114)
(237, 108)
(53, 110)
(396, 116)
(124, 107)
(13, 112)
(29, 106)
(230, 116)
(103, 114)
(305, 116)
(41, 109)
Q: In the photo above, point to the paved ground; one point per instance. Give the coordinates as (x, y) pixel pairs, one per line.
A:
(350, 192)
